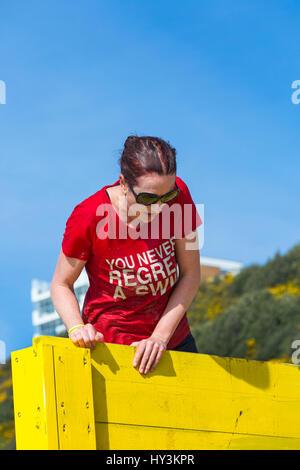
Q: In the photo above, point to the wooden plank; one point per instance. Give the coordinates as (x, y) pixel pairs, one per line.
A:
(53, 398)
(74, 394)
(114, 436)
(34, 399)
(196, 391)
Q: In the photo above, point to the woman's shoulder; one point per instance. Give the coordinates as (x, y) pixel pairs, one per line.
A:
(181, 184)
(184, 190)
(88, 207)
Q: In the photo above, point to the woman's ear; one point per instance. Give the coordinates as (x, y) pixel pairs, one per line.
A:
(123, 184)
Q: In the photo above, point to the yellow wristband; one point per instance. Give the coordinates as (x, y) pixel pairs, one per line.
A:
(74, 328)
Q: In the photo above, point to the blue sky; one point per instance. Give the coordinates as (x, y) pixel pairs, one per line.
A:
(213, 78)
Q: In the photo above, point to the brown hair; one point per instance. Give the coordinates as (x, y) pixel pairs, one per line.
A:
(146, 154)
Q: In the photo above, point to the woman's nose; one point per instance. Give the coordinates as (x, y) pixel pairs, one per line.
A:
(158, 206)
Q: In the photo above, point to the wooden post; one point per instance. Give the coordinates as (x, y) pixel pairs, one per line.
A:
(53, 397)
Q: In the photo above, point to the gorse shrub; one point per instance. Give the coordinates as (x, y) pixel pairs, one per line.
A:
(255, 315)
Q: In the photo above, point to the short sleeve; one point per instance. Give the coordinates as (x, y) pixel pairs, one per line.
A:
(77, 240)
(188, 219)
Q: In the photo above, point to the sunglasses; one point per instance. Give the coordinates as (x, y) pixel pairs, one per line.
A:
(148, 198)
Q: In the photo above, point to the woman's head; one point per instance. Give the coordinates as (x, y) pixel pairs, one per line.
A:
(148, 164)
(145, 155)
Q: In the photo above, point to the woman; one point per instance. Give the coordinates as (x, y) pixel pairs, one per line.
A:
(135, 241)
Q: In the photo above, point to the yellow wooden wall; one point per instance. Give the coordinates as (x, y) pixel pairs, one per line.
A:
(70, 398)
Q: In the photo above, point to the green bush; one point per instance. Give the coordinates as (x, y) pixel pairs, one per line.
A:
(273, 323)
(249, 311)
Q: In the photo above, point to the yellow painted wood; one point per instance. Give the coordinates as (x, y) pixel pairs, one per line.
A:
(196, 391)
(128, 437)
(53, 398)
(34, 399)
(191, 401)
(74, 395)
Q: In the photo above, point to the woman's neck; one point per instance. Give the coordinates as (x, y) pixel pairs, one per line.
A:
(119, 203)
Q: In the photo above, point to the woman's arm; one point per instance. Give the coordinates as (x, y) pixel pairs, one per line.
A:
(179, 301)
(185, 289)
(65, 302)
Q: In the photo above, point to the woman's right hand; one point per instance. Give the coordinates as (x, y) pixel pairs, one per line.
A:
(86, 336)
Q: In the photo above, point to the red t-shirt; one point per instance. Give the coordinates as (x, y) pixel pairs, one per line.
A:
(131, 277)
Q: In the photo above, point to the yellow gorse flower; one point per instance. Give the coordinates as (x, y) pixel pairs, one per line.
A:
(216, 300)
(251, 342)
(6, 384)
(291, 287)
(251, 348)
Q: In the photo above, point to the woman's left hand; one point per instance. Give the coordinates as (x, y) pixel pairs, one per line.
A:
(149, 352)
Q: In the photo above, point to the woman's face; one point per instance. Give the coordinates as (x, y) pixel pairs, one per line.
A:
(150, 183)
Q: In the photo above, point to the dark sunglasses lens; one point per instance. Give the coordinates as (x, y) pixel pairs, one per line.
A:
(170, 196)
(146, 199)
